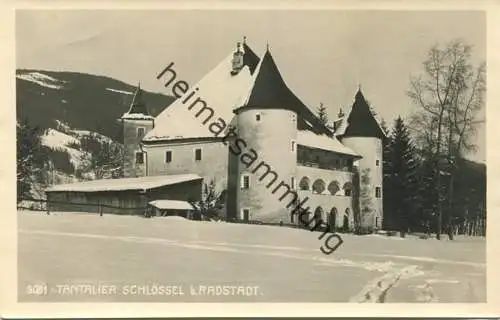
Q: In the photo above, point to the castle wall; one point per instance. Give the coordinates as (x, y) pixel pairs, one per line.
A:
(131, 145)
(213, 163)
(271, 137)
(371, 151)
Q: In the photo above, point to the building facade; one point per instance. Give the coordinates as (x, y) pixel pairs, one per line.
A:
(243, 128)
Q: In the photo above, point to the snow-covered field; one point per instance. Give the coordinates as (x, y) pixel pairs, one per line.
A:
(85, 257)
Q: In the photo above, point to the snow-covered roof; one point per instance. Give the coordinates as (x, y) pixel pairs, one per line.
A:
(141, 183)
(321, 141)
(220, 90)
(137, 116)
(172, 204)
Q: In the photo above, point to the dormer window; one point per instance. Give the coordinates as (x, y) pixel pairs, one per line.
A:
(237, 62)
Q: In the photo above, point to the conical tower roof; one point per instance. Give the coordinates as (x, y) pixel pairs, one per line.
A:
(269, 90)
(360, 121)
(137, 105)
(137, 108)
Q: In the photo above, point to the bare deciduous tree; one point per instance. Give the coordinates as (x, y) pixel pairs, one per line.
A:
(449, 95)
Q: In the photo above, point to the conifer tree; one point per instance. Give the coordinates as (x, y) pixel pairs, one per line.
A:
(322, 114)
(30, 158)
(402, 178)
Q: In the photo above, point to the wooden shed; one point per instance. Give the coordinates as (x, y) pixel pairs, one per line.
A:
(123, 196)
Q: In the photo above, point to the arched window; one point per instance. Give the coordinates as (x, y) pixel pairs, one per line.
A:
(318, 186)
(304, 183)
(332, 219)
(318, 215)
(347, 189)
(333, 187)
(345, 224)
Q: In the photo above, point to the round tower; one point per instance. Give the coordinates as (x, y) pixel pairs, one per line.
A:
(362, 133)
(265, 173)
(136, 123)
(266, 186)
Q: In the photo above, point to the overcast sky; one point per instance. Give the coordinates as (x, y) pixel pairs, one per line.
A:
(322, 55)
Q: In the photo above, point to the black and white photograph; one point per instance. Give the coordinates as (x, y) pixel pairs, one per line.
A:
(222, 156)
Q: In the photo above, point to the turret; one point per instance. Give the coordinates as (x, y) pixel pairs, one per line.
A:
(136, 122)
(361, 132)
(267, 123)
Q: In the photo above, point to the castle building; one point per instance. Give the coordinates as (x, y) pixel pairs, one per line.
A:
(241, 127)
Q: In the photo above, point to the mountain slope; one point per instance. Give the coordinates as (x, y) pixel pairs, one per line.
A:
(82, 101)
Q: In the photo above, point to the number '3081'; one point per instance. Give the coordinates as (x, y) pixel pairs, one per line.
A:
(38, 289)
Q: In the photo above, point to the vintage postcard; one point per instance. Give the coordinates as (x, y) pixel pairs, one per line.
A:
(232, 155)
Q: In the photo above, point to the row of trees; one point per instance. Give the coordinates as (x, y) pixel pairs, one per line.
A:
(429, 185)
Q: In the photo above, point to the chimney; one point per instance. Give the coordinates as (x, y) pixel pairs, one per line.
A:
(237, 62)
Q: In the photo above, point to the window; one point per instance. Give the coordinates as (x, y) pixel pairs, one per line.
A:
(333, 187)
(337, 163)
(318, 186)
(304, 183)
(292, 183)
(349, 164)
(347, 192)
(294, 117)
(139, 158)
(140, 132)
(245, 214)
(197, 154)
(257, 117)
(376, 222)
(293, 146)
(378, 192)
(377, 162)
(168, 156)
(245, 182)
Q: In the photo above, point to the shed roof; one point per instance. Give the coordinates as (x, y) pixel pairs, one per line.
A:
(172, 204)
(130, 184)
(322, 141)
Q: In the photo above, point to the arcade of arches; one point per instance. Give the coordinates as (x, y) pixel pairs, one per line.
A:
(335, 220)
(331, 219)
(319, 187)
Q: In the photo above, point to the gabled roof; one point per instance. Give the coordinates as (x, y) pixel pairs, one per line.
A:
(359, 121)
(138, 109)
(138, 184)
(250, 59)
(219, 89)
(269, 90)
